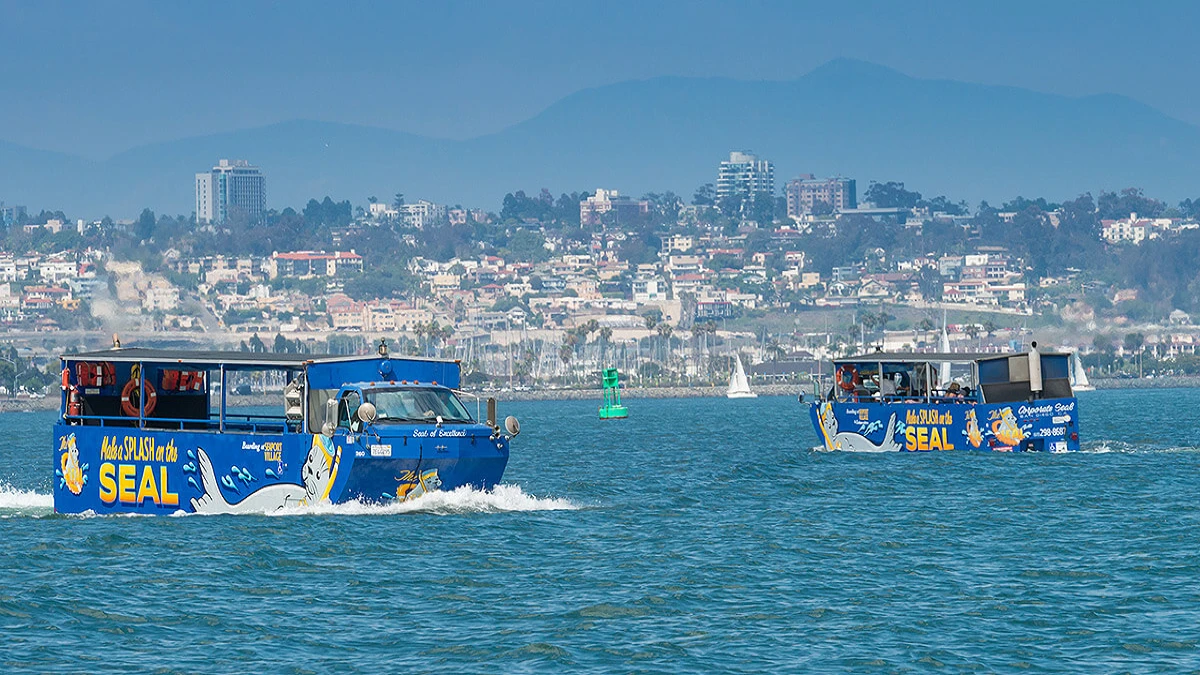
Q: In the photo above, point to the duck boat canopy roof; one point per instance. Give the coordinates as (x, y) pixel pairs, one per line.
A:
(228, 359)
(1000, 377)
(322, 371)
(938, 357)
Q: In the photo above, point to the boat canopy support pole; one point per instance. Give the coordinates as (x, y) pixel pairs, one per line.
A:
(224, 389)
(141, 395)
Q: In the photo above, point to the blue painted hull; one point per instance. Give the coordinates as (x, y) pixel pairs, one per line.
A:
(108, 469)
(1050, 425)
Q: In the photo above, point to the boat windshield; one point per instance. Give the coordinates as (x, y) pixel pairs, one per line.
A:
(417, 404)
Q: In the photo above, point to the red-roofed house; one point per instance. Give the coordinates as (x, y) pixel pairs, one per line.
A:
(306, 264)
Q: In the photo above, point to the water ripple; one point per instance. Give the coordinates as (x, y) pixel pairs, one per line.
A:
(684, 539)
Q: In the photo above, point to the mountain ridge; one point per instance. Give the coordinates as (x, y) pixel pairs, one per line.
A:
(854, 118)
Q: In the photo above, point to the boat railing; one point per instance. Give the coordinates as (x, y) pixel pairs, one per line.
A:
(477, 397)
(907, 398)
(254, 424)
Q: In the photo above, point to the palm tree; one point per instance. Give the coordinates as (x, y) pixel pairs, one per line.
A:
(664, 331)
(564, 353)
(420, 330)
(605, 335)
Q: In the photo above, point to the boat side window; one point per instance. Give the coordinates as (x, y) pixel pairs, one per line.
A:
(347, 408)
(316, 408)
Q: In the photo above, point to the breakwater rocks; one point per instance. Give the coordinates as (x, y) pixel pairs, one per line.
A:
(628, 393)
(29, 404)
(1163, 382)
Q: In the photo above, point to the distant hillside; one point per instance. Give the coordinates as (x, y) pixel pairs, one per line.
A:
(967, 141)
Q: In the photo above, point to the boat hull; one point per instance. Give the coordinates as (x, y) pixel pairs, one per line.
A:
(1050, 425)
(105, 469)
(735, 394)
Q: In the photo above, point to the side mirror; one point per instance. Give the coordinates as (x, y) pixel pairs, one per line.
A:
(367, 413)
(512, 426)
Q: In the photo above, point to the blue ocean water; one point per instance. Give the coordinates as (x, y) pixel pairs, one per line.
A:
(699, 535)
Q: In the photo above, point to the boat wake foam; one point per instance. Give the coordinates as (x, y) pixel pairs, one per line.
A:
(501, 499)
(1102, 447)
(504, 498)
(16, 499)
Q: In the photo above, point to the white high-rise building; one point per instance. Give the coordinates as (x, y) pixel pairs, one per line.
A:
(229, 185)
(746, 175)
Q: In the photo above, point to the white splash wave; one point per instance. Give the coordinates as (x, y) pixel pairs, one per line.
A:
(503, 498)
(12, 498)
(1125, 447)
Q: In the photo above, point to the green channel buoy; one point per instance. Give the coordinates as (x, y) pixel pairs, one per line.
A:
(612, 408)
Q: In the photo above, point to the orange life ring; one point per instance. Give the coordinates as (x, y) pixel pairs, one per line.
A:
(847, 377)
(129, 407)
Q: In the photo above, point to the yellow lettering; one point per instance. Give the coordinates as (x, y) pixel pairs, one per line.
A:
(147, 488)
(922, 438)
(935, 440)
(946, 444)
(168, 498)
(108, 486)
(126, 481)
(910, 437)
(910, 416)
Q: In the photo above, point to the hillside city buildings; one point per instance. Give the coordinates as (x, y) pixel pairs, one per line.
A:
(230, 185)
(707, 268)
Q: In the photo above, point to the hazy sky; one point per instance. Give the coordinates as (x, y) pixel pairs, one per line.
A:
(95, 78)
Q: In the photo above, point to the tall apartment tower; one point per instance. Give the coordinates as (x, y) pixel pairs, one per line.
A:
(230, 184)
(746, 175)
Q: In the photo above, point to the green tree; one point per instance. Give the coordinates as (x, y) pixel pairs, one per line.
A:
(891, 195)
(144, 228)
(1134, 342)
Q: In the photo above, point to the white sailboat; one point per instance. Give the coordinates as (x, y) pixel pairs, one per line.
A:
(1079, 378)
(944, 347)
(739, 384)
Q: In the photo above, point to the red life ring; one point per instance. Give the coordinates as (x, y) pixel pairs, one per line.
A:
(847, 377)
(129, 406)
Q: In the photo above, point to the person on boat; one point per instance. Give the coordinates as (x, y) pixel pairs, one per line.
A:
(887, 388)
(954, 390)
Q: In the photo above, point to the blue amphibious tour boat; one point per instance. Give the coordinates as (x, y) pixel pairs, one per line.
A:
(147, 431)
(916, 402)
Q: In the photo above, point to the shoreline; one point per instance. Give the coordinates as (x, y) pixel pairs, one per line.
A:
(51, 402)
